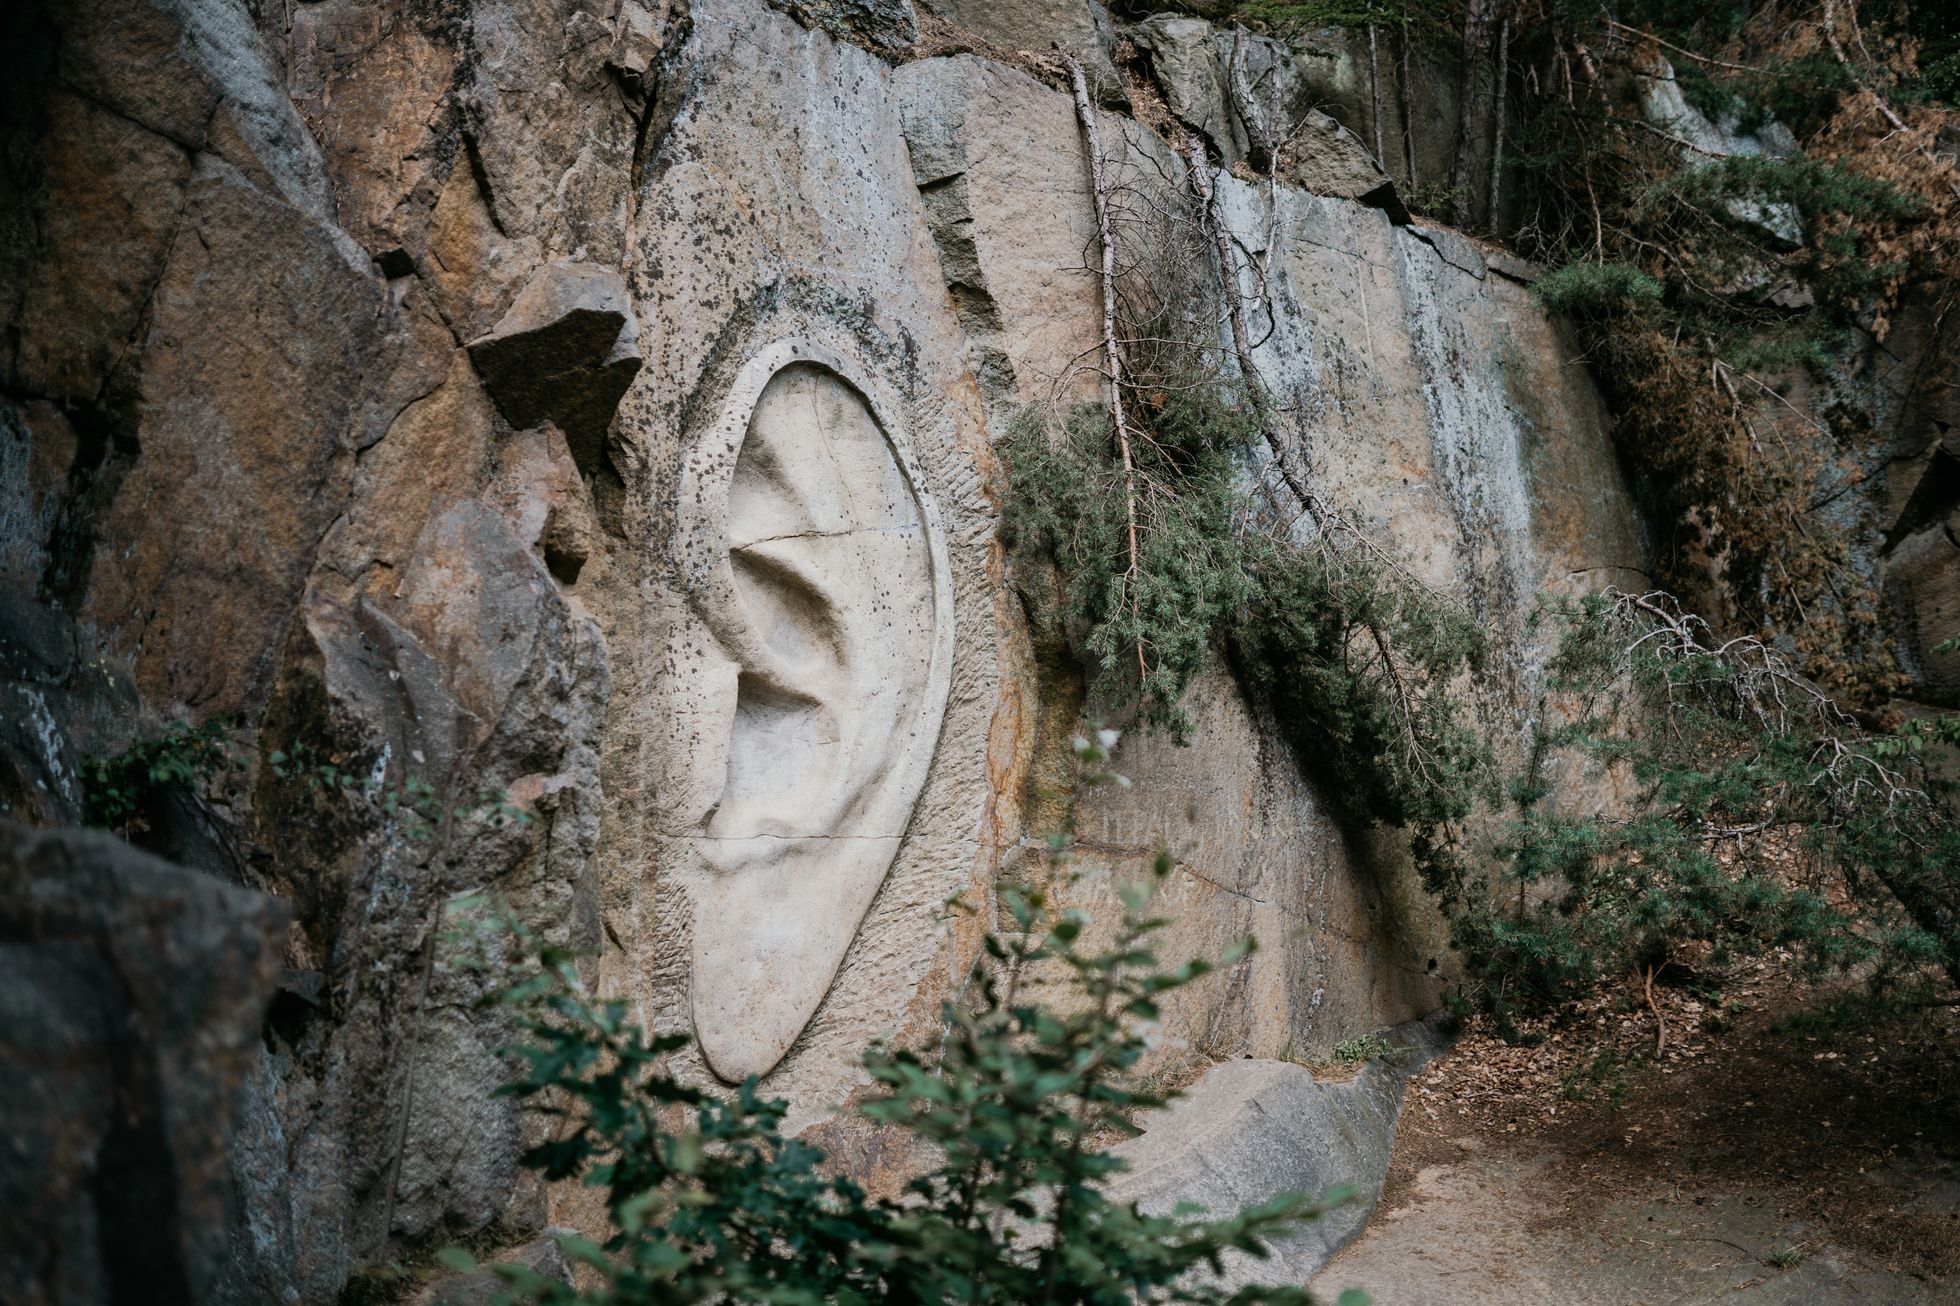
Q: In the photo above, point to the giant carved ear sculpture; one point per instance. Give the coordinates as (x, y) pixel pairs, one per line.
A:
(823, 590)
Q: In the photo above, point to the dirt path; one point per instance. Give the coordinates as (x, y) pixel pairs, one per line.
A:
(1772, 1155)
(1481, 1230)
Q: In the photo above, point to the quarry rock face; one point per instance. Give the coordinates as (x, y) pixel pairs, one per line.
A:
(592, 405)
(1432, 398)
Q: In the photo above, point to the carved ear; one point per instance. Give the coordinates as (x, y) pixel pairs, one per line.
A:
(831, 604)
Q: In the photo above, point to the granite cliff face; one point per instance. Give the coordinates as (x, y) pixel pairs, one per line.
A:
(384, 379)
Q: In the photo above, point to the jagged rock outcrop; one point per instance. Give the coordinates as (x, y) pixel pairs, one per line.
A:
(564, 353)
(1246, 96)
(131, 997)
(262, 480)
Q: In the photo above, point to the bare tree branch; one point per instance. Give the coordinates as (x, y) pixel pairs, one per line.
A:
(1085, 112)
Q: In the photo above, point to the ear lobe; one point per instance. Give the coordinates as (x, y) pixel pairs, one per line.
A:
(831, 601)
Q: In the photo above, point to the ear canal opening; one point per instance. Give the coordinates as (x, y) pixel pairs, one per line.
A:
(781, 761)
(799, 637)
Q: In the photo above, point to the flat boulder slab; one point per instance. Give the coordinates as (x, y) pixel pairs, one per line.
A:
(1252, 1130)
(482, 1288)
(564, 354)
(131, 996)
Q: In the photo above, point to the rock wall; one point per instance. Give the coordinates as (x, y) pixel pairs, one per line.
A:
(593, 402)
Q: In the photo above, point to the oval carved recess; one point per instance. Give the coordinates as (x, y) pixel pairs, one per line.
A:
(815, 574)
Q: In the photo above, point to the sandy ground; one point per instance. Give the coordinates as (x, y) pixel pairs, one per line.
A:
(1481, 1230)
(1771, 1154)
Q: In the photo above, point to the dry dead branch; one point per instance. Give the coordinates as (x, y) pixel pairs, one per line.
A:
(1085, 112)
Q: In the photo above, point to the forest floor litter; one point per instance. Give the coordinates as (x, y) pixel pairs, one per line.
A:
(1787, 1145)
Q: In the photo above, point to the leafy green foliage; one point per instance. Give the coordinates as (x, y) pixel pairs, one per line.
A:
(1839, 262)
(1368, 1047)
(1936, 30)
(1358, 664)
(711, 1202)
(413, 804)
(1732, 468)
(1355, 658)
(1066, 496)
(1753, 814)
(1588, 289)
(119, 792)
(1014, 1097)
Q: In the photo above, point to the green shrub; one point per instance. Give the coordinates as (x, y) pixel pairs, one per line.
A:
(1355, 658)
(1729, 343)
(1755, 814)
(1368, 1047)
(710, 1202)
(1066, 497)
(1589, 288)
(120, 793)
(1357, 663)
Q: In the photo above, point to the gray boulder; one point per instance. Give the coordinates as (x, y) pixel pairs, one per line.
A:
(1251, 1130)
(131, 994)
(1326, 158)
(1190, 74)
(1247, 97)
(1705, 139)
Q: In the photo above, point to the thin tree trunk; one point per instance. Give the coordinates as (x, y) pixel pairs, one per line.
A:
(1660, 1021)
(1375, 98)
(1261, 140)
(1085, 112)
(1497, 133)
(1476, 33)
(1228, 264)
(1408, 109)
(1837, 52)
